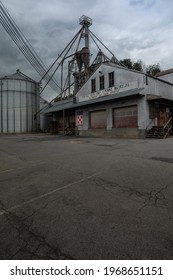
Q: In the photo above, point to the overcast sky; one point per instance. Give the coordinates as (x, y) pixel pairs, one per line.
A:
(136, 29)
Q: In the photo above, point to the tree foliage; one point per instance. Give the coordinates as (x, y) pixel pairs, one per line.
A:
(127, 62)
(153, 69)
(138, 65)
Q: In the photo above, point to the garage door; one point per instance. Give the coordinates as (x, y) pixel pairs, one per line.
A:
(98, 119)
(125, 117)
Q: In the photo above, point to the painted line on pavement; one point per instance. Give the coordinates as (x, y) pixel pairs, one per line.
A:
(6, 211)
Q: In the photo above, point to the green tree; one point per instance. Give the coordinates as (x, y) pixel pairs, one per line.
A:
(127, 62)
(138, 65)
(153, 69)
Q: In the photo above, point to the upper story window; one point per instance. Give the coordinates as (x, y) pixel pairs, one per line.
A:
(102, 82)
(111, 79)
(93, 85)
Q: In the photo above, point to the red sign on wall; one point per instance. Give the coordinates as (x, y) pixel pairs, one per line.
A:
(80, 118)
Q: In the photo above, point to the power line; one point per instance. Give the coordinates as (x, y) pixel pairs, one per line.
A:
(25, 47)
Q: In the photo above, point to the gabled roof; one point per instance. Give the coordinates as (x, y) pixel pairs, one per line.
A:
(165, 72)
(112, 64)
(18, 76)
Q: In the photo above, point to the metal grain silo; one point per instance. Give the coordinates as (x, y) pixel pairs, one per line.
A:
(19, 101)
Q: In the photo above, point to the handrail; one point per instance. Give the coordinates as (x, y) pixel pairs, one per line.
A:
(167, 123)
(167, 132)
(168, 128)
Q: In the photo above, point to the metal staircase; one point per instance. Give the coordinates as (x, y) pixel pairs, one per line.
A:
(160, 132)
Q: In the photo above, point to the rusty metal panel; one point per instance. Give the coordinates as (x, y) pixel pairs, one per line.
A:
(98, 119)
(125, 117)
(53, 127)
(163, 114)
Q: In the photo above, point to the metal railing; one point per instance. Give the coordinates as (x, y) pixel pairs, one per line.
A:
(168, 125)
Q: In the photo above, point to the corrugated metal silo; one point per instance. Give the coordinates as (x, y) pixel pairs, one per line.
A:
(19, 101)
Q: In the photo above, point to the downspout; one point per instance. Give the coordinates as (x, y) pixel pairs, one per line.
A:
(63, 122)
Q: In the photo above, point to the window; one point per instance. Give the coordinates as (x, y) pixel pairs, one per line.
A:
(102, 82)
(111, 79)
(93, 85)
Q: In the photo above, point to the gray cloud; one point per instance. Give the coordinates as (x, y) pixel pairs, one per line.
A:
(139, 29)
(143, 3)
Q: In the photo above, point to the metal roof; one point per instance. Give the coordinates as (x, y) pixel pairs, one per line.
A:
(165, 72)
(18, 76)
(69, 105)
(159, 98)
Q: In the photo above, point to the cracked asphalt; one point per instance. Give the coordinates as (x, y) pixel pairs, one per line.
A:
(85, 198)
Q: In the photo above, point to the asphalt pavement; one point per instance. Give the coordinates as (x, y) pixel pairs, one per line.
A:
(85, 198)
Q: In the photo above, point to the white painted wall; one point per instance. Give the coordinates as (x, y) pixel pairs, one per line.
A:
(125, 79)
(159, 88)
(167, 77)
(143, 113)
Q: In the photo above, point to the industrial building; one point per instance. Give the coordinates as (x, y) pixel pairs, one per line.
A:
(98, 97)
(111, 100)
(127, 105)
(19, 102)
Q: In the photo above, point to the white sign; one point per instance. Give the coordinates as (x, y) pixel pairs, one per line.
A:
(109, 91)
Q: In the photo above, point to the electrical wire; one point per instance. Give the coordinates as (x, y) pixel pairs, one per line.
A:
(19, 37)
(20, 45)
(23, 44)
(32, 57)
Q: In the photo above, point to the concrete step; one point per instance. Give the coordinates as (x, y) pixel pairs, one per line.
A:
(157, 132)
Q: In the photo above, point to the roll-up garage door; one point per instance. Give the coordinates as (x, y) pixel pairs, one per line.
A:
(98, 119)
(125, 117)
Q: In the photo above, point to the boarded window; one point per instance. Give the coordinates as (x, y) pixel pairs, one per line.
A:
(93, 85)
(111, 79)
(98, 119)
(102, 82)
(125, 117)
